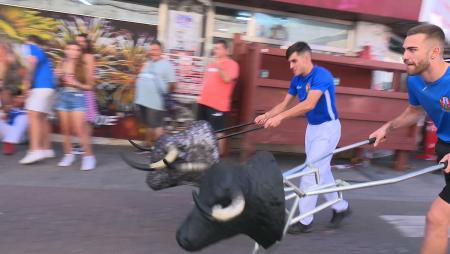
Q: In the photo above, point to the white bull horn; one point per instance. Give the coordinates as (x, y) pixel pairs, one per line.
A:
(230, 212)
(170, 157)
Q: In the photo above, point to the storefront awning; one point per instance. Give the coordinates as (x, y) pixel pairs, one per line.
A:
(399, 9)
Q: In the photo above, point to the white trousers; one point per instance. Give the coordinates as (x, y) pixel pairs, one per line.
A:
(15, 133)
(320, 139)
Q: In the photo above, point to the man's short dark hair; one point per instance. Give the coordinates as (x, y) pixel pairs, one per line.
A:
(36, 39)
(223, 42)
(431, 31)
(298, 47)
(156, 42)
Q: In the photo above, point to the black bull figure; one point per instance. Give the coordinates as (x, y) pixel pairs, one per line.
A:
(233, 199)
(237, 199)
(181, 158)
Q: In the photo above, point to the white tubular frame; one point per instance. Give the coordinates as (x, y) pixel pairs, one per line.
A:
(293, 192)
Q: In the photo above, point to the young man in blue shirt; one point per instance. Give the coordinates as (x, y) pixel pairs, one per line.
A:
(429, 92)
(314, 87)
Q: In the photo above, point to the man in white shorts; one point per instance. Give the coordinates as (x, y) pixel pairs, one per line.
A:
(39, 87)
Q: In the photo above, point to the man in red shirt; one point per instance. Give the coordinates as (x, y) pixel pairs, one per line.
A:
(219, 81)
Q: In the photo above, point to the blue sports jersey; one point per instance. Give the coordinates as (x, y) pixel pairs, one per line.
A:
(43, 73)
(318, 79)
(435, 99)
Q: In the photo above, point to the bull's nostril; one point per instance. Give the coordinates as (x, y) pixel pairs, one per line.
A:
(185, 243)
(182, 241)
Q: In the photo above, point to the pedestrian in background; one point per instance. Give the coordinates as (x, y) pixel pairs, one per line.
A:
(91, 100)
(73, 77)
(13, 123)
(218, 85)
(39, 89)
(156, 78)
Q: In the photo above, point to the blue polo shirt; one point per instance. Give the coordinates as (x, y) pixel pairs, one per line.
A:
(435, 99)
(318, 79)
(43, 73)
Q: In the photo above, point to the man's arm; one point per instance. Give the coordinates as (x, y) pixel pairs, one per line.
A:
(409, 117)
(277, 109)
(229, 73)
(31, 66)
(225, 76)
(171, 78)
(299, 109)
(172, 87)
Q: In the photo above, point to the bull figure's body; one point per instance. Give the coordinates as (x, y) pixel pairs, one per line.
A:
(181, 158)
(237, 199)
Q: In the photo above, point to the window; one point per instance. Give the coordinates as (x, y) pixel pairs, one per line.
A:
(230, 21)
(280, 29)
(287, 30)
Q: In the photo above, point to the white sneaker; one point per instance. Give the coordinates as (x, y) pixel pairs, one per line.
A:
(67, 160)
(49, 153)
(32, 157)
(88, 162)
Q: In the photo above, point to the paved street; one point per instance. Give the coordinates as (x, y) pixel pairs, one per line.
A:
(51, 210)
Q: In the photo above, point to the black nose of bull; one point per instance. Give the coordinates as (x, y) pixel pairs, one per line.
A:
(184, 242)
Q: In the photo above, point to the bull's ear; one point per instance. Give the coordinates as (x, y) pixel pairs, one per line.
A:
(233, 210)
(203, 208)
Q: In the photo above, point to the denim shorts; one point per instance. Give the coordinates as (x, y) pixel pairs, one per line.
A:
(71, 101)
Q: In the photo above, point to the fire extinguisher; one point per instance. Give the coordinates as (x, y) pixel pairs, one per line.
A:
(430, 140)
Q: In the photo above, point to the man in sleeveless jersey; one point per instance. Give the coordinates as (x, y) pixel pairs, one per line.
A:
(428, 92)
(313, 85)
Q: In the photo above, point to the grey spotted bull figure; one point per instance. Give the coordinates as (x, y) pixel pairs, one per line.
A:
(237, 199)
(181, 158)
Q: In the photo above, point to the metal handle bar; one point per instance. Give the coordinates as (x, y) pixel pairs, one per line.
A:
(142, 148)
(235, 127)
(345, 148)
(241, 132)
(380, 182)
